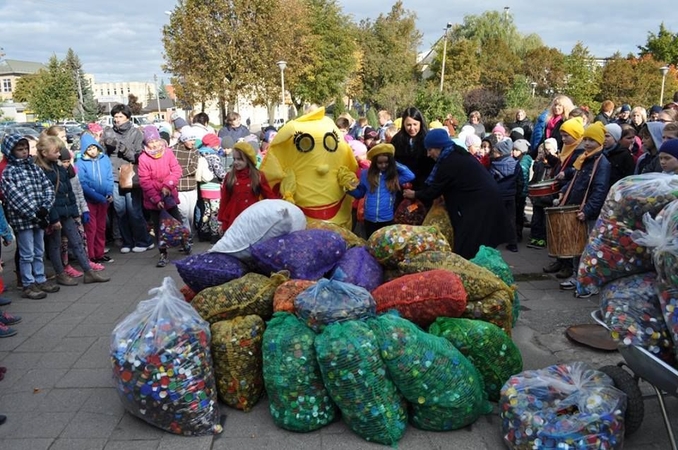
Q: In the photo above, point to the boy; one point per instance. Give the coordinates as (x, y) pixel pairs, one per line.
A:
(546, 157)
(520, 149)
(620, 158)
(668, 156)
(509, 177)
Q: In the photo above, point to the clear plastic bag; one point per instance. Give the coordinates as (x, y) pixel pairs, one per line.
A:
(162, 365)
(661, 236)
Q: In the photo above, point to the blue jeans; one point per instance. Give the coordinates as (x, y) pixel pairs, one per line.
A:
(131, 219)
(69, 229)
(31, 244)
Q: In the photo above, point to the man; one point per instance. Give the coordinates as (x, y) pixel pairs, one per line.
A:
(624, 115)
(385, 121)
(605, 115)
(124, 144)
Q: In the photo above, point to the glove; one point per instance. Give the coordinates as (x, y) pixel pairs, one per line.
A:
(347, 179)
(288, 186)
(85, 218)
(42, 212)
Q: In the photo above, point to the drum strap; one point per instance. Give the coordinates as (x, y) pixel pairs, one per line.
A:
(586, 194)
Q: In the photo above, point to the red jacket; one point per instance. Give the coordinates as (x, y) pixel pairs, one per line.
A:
(154, 174)
(233, 203)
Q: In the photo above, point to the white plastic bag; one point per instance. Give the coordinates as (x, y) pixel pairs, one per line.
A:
(661, 236)
(162, 364)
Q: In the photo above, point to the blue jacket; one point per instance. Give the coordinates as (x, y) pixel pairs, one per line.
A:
(95, 174)
(380, 204)
(599, 186)
(538, 133)
(507, 173)
(5, 231)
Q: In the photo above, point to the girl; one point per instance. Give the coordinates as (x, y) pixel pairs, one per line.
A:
(380, 184)
(96, 176)
(159, 174)
(62, 214)
(243, 185)
(209, 175)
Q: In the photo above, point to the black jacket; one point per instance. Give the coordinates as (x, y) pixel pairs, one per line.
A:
(621, 163)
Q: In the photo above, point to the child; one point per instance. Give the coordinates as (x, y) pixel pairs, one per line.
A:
(242, 186)
(668, 156)
(486, 145)
(541, 171)
(509, 177)
(96, 177)
(370, 137)
(670, 131)
(389, 133)
(520, 149)
(587, 190)
(6, 319)
(620, 158)
(62, 214)
(209, 175)
(630, 141)
(651, 136)
(159, 174)
(380, 184)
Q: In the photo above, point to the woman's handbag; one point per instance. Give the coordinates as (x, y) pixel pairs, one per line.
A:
(128, 178)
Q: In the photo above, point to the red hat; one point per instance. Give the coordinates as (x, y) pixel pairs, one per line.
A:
(211, 140)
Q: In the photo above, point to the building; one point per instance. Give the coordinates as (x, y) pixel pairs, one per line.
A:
(10, 72)
(118, 92)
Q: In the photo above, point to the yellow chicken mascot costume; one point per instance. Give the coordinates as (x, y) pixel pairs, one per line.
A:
(312, 166)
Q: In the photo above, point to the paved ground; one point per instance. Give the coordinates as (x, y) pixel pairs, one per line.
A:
(58, 391)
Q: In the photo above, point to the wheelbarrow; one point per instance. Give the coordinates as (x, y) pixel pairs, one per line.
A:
(646, 366)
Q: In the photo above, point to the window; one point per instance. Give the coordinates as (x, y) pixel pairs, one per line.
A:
(115, 91)
(128, 91)
(6, 85)
(108, 92)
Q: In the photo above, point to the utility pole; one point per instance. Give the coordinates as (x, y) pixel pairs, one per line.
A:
(81, 101)
(442, 70)
(157, 94)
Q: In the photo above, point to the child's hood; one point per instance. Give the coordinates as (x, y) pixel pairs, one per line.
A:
(87, 140)
(656, 129)
(8, 144)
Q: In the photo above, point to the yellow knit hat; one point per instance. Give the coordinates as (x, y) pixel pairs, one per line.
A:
(573, 127)
(247, 150)
(595, 131)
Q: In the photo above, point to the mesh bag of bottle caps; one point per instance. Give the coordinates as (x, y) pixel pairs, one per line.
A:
(661, 236)
(307, 254)
(490, 258)
(187, 292)
(611, 252)
(422, 297)
(668, 299)
(236, 348)
(352, 240)
(359, 267)
(398, 243)
(489, 298)
(298, 399)
(445, 390)
(330, 301)
(437, 217)
(162, 365)
(250, 294)
(631, 310)
(209, 269)
(410, 212)
(172, 233)
(569, 406)
(286, 293)
(357, 380)
(486, 345)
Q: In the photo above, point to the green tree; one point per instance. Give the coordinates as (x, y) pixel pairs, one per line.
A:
(53, 94)
(497, 65)
(339, 107)
(162, 90)
(663, 46)
(436, 105)
(462, 66)
(647, 81)
(617, 80)
(519, 94)
(546, 67)
(24, 86)
(583, 75)
(87, 108)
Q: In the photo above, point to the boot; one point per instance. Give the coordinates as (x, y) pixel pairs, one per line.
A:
(19, 284)
(95, 277)
(65, 280)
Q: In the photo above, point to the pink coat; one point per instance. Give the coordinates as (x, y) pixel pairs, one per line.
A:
(154, 174)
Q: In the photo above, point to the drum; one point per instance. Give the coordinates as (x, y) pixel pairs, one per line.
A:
(566, 236)
(542, 189)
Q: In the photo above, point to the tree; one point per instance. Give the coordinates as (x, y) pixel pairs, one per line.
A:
(24, 87)
(134, 104)
(462, 66)
(497, 65)
(162, 90)
(87, 107)
(647, 81)
(53, 94)
(663, 46)
(436, 105)
(583, 75)
(487, 102)
(519, 94)
(546, 67)
(617, 80)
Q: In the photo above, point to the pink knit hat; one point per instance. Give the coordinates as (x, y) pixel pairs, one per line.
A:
(499, 129)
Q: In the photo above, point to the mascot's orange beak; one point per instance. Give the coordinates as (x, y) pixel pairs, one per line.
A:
(322, 169)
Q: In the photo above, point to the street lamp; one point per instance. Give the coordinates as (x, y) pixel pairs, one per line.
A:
(442, 70)
(534, 85)
(664, 70)
(283, 65)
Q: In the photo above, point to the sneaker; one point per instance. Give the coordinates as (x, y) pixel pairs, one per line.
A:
(72, 271)
(107, 249)
(187, 249)
(48, 287)
(138, 249)
(5, 301)
(33, 293)
(554, 267)
(512, 248)
(95, 277)
(568, 285)
(563, 273)
(162, 261)
(6, 331)
(8, 319)
(64, 280)
(125, 249)
(104, 259)
(537, 243)
(96, 266)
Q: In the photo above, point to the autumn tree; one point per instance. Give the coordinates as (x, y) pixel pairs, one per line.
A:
(647, 81)
(663, 46)
(546, 67)
(583, 75)
(462, 66)
(617, 80)
(51, 92)
(134, 104)
(497, 65)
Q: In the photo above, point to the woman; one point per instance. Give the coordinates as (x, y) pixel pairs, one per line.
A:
(558, 112)
(638, 118)
(474, 121)
(472, 197)
(409, 145)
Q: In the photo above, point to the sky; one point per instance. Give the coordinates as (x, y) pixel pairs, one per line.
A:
(117, 41)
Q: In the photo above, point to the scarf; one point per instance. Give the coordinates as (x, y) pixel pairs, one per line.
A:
(553, 121)
(443, 154)
(567, 151)
(155, 154)
(586, 155)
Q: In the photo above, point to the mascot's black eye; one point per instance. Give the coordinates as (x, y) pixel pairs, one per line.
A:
(304, 142)
(331, 142)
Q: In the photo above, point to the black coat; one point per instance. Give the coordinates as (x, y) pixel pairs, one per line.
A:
(621, 162)
(473, 202)
(413, 155)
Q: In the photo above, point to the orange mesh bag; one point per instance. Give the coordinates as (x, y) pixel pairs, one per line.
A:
(187, 292)
(398, 243)
(437, 217)
(283, 299)
(423, 297)
(352, 240)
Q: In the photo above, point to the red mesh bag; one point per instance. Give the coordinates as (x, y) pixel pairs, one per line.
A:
(423, 297)
(187, 292)
(410, 212)
(283, 299)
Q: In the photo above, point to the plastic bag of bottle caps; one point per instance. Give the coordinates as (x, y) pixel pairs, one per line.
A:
(443, 387)
(662, 238)
(162, 365)
(568, 406)
(352, 239)
(298, 399)
(486, 345)
(356, 378)
(668, 299)
(437, 217)
(236, 347)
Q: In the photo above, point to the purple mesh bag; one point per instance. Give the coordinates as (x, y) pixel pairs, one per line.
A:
(307, 254)
(359, 267)
(209, 269)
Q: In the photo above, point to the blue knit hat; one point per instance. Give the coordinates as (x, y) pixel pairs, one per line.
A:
(437, 138)
(504, 147)
(670, 147)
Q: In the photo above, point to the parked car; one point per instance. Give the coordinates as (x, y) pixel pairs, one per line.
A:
(73, 132)
(138, 121)
(24, 131)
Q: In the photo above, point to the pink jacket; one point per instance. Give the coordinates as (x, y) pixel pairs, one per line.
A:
(154, 174)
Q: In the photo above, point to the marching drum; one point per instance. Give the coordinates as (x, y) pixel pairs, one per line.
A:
(542, 189)
(566, 236)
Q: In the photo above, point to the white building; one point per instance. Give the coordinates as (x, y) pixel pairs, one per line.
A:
(118, 92)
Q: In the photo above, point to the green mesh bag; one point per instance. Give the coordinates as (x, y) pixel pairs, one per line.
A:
(297, 397)
(490, 350)
(445, 390)
(356, 378)
(490, 258)
(250, 294)
(236, 351)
